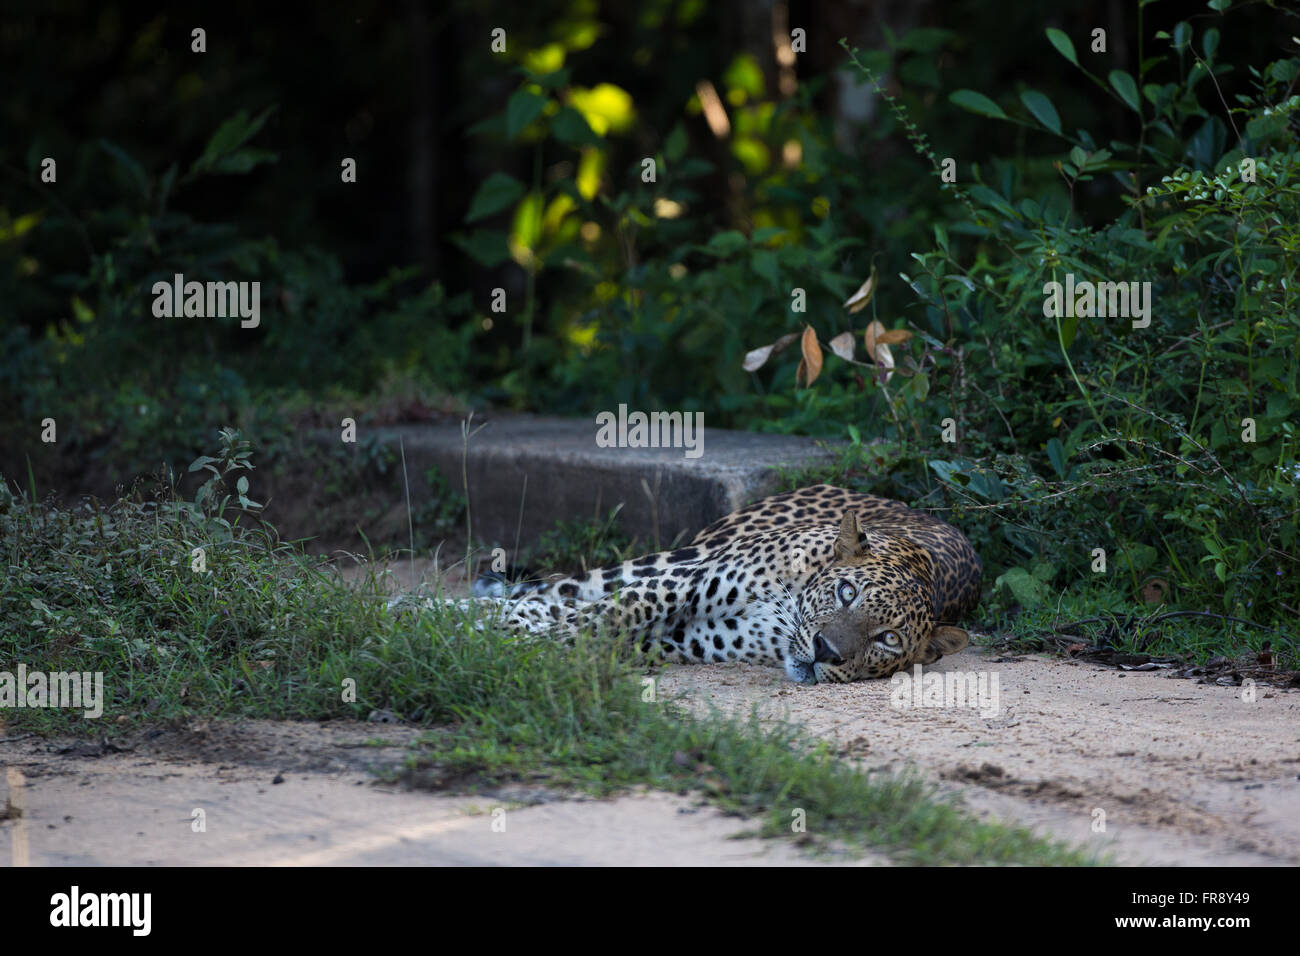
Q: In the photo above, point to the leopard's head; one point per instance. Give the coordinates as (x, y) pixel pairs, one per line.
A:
(869, 613)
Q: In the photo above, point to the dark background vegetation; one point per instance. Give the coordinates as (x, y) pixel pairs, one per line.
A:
(522, 171)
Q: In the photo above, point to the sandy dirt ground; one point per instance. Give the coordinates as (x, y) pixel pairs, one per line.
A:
(1140, 764)
(1182, 773)
(303, 794)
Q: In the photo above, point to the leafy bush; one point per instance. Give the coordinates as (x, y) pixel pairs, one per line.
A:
(130, 389)
(1168, 446)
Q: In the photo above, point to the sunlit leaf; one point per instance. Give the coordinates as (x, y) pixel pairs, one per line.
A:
(590, 168)
(605, 107)
(545, 59)
(23, 224)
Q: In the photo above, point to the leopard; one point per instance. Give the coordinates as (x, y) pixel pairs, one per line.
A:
(830, 584)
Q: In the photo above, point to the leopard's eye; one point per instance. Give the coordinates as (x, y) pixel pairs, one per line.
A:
(890, 638)
(846, 592)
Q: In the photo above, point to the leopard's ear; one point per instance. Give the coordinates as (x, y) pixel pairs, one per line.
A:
(849, 544)
(943, 641)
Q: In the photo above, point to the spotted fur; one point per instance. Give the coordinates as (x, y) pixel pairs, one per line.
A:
(831, 584)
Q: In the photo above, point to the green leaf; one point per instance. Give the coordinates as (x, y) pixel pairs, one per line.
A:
(1069, 327)
(987, 485)
(1042, 109)
(1182, 36)
(949, 472)
(1264, 127)
(675, 144)
(524, 107)
(925, 39)
(920, 386)
(497, 192)
(487, 247)
(1138, 557)
(571, 128)
(977, 103)
(693, 168)
(1063, 44)
(83, 312)
(1284, 71)
(131, 167)
(1210, 42)
(241, 161)
(726, 243)
(1126, 88)
(763, 262)
(230, 135)
(1056, 455)
(1028, 590)
(987, 197)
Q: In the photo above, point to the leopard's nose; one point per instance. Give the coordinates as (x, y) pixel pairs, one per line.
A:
(823, 653)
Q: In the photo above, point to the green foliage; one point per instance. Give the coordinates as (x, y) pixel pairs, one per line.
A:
(234, 455)
(82, 284)
(1171, 447)
(1083, 432)
(1070, 433)
(440, 512)
(574, 546)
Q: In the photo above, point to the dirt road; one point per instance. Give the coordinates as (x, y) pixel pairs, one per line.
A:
(1179, 772)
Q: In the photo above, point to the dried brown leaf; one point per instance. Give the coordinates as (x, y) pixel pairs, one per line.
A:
(878, 351)
(780, 344)
(843, 345)
(811, 365)
(860, 299)
(893, 337)
(756, 358)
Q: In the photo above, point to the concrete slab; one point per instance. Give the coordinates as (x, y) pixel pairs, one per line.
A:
(526, 472)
